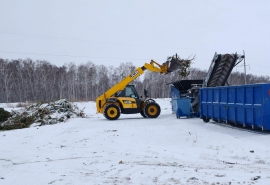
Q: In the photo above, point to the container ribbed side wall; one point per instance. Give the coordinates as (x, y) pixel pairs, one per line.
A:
(247, 105)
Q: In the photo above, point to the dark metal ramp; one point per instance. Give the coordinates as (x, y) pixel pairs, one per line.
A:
(220, 69)
(184, 85)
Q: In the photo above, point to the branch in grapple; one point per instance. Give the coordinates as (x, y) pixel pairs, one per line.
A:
(182, 65)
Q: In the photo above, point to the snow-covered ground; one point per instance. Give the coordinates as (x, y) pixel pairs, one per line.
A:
(134, 150)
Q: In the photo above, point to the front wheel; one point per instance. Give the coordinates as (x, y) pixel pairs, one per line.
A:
(152, 110)
(142, 113)
(112, 112)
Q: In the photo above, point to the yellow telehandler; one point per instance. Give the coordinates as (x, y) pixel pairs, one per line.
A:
(122, 98)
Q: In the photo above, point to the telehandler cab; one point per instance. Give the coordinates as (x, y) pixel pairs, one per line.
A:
(123, 98)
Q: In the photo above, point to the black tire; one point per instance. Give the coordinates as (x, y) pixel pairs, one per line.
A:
(150, 101)
(152, 110)
(112, 112)
(142, 113)
(206, 120)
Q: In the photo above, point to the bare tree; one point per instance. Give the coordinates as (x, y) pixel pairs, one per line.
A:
(7, 74)
(28, 80)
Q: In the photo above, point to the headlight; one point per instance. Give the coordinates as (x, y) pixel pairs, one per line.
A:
(127, 102)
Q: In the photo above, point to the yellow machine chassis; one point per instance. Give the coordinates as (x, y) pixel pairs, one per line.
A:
(153, 66)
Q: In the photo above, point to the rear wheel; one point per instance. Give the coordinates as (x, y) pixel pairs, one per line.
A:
(112, 112)
(152, 110)
(142, 113)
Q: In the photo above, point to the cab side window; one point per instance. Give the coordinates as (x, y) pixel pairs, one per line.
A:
(130, 92)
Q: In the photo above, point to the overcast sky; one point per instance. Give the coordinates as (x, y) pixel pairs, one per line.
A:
(112, 32)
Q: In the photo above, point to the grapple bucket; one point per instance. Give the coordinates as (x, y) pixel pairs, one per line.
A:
(174, 63)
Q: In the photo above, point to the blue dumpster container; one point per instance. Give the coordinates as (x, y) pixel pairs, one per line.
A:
(182, 107)
(246, 105)
(175, 94)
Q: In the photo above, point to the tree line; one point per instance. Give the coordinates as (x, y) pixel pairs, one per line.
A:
(28, 80)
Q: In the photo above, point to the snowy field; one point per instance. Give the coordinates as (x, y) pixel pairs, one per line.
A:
(134, 150)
